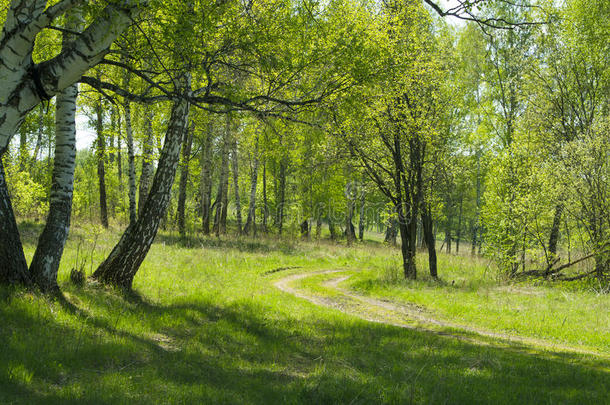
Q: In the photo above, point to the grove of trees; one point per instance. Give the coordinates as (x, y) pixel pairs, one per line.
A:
(307, 119)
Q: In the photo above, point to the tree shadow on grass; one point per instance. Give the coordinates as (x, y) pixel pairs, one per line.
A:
(102, 348)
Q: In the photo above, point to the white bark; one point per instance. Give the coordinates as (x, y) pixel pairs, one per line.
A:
(47, 257)
(147, 160)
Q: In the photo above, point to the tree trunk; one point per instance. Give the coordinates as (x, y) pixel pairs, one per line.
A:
(147, 160)
(459, 227)
(206, 180)
(184, 176)
(45, 264)
(407, 249)
(13, 266)
(305, 229)
(101, 158)
(349, 226)
(220, 216)
(131, 165)
(361, 220)
(448, 236)
(428, 228)
(119, 163)
(281, 196)
(251, 220)
(265, 202)
(235, 167)
(475, 228)
(554, 236)
(391, 232)
(122, 264)
(331, 229)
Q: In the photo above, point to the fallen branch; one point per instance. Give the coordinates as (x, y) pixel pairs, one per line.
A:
(549, 271)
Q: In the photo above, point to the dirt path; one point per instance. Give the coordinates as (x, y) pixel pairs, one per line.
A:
(412, 316)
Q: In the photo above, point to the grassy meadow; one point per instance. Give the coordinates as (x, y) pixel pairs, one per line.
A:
(207, 325)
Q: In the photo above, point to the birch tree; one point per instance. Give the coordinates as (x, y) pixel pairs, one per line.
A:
(26, 84)
(47, 257)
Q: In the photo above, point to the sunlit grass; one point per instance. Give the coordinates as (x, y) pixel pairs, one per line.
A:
(206, 325)
(471, 292)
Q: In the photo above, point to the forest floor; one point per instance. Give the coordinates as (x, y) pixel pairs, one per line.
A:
(239, 320)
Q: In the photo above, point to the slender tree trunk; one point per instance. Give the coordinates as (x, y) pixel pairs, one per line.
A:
(131, 165)
(13, 266)
(119, 163)
(475, 228)
(251, 220)
(184, 176)
(147, 160)
(101, 158)
(428, 228)
(318, 226)
(220, 217)
(361, 221)
(448, 236)
(206, 180)
(459, 227)
(349, 226)
(40, 133)
(407, 247)
(281, 196)
(554, 236)
(111, 151)
(265, 202)
(235, 167)
(331, 229)
(125, 259)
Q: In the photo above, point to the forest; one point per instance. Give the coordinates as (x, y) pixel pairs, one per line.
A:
(304, 201)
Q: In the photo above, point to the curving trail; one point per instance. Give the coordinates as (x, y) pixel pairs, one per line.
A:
(412, 316)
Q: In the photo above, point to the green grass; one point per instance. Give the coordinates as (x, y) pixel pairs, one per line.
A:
(206, 325)
(470, 293)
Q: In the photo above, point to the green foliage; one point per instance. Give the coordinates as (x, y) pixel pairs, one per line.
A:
(29, 197)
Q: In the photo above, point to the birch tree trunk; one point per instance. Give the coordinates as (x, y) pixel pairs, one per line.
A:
(101, 163)
(349, 226)
(265, 202)
(131, 165)
(361, 220)
(235, 167)
(220, 216)
(206, 181)
(147, 161)
(49, 251)
(184, 176)
(281, 196)
(251, 220)
(122, 264)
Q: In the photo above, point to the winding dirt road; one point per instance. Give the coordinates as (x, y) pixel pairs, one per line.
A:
(412, 316)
